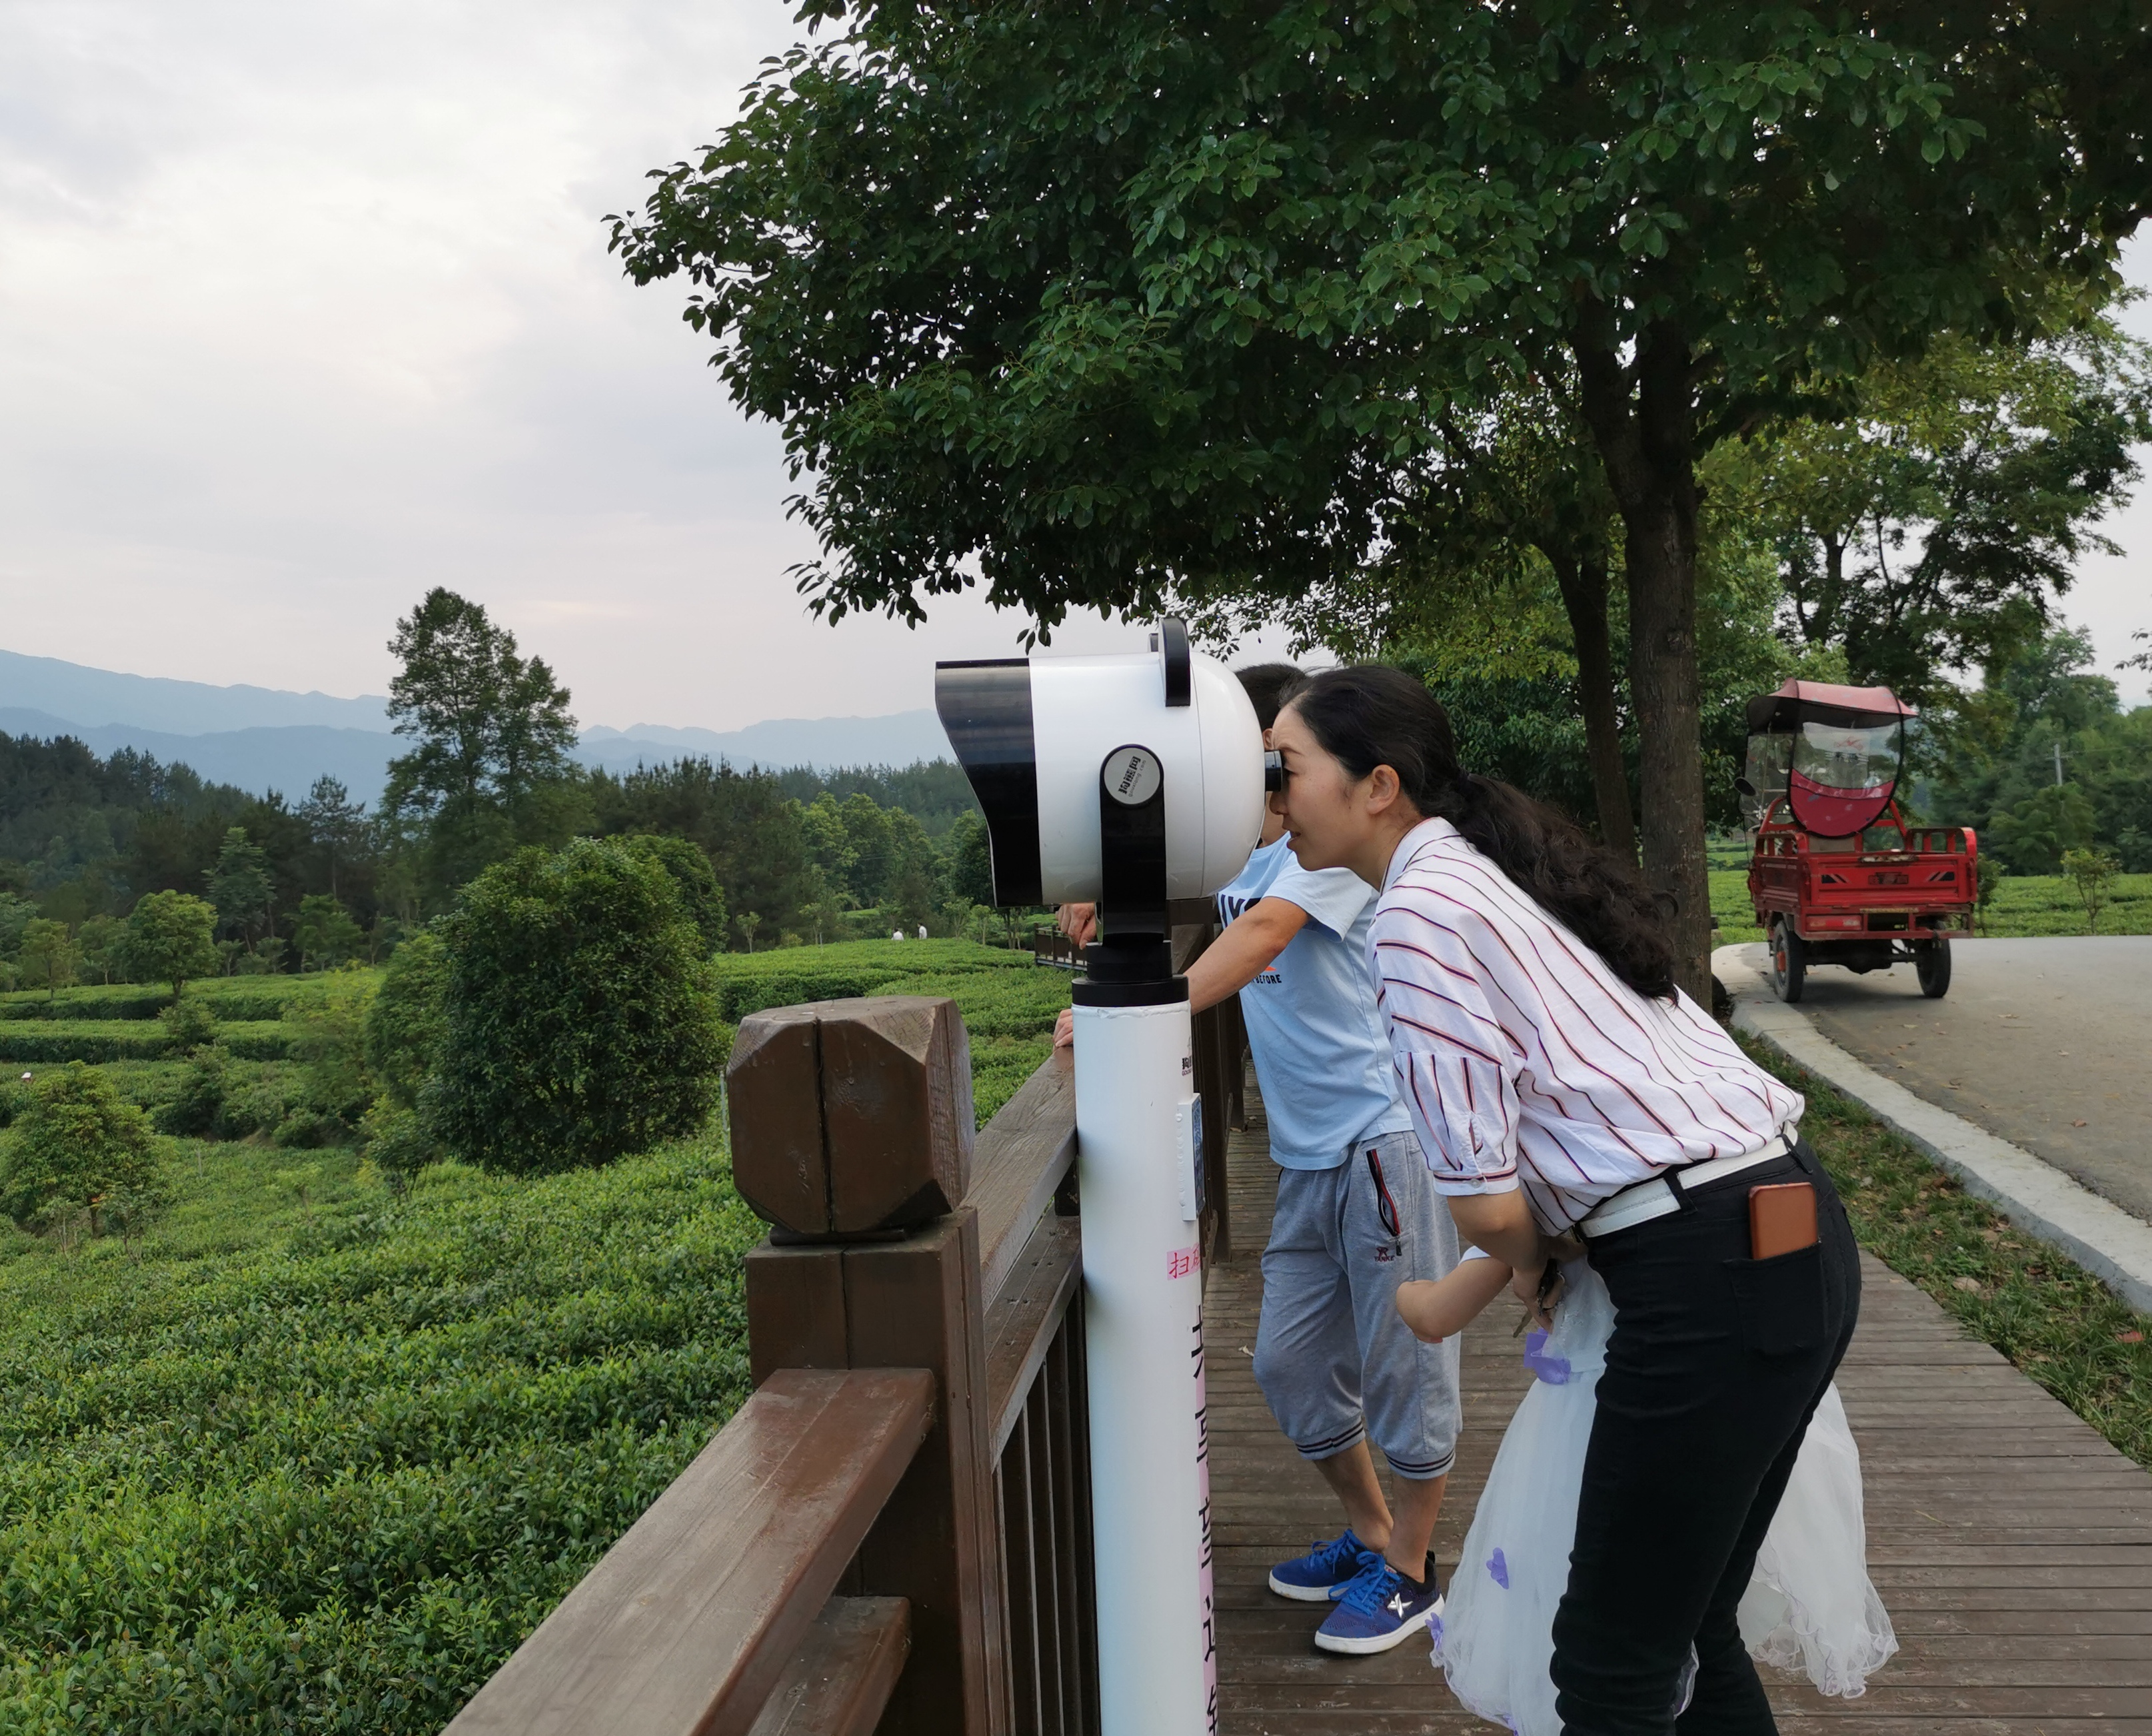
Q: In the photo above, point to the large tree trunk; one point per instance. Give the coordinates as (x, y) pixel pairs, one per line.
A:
(1642, 417)
(1583, 581)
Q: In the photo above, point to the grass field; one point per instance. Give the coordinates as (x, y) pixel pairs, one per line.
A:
(2025, 905)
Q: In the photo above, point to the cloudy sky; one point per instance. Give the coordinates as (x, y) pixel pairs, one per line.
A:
(304, 309)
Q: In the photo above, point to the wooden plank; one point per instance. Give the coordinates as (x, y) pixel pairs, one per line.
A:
(1021, 1323)
(690, 1620)
(839, 1679)
(2012, 1545)
(1019, 1159)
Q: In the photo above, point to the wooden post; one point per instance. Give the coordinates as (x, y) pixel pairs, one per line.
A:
(849, 1116)
(856, 1130)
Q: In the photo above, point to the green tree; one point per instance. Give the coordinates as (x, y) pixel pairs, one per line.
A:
(190, 1024)
(2092, 871)
(1084, 304)
(48, 956)
(752, 835)
(1930, 528)
(2035, 836)
(240, 886)
(325, 933)
(336, 823)
(171, 937)
(580, 1016)
(103, 941)
(490, 730)
(74, 1145)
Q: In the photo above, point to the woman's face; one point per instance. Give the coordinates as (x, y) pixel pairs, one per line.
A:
(1326, 810)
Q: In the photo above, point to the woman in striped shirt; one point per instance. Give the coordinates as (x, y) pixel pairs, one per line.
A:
(1563, 1088)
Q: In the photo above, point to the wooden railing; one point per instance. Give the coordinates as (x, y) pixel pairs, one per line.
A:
(894, 1533)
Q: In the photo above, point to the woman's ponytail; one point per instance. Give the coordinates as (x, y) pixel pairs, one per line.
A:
(1372, 715)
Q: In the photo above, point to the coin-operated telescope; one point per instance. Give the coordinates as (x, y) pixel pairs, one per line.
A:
(1129, 780)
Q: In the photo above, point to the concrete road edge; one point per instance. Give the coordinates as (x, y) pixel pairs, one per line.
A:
(2038, 1198)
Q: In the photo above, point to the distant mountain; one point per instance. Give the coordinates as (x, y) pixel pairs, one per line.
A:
(89, 697)
(823, 743)
(288, 758)
(261, 738)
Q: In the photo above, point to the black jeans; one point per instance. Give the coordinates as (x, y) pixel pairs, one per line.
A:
(1716, 1364)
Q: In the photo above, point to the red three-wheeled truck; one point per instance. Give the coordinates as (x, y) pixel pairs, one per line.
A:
(1838, 877)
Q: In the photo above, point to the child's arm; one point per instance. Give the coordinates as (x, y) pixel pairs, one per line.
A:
(1438, 1308)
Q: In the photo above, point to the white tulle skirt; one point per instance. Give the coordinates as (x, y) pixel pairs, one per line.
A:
(1809, 1606)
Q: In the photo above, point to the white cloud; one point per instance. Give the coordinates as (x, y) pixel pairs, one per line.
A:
(307, 308)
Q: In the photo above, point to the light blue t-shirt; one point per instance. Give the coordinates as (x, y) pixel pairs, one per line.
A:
(1320, 1054)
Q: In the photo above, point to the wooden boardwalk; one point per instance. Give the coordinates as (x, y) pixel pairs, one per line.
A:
(2013, 1546)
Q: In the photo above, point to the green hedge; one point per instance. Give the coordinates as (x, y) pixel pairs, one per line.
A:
(748, 982)
(50, 1040)
(240, 999)
(328, 1479)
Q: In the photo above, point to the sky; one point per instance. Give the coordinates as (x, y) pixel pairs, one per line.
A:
(304, 309)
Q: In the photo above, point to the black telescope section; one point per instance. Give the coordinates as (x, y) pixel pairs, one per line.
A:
(1273, 771)
(985, 707)
(1131, 963)
(1172, 646)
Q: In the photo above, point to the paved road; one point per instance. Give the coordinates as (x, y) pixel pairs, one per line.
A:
(2046, 1042)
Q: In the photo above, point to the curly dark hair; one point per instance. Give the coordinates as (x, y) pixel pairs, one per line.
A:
(1374, 715)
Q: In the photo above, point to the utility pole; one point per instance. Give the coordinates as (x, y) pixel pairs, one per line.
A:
(2059, 764)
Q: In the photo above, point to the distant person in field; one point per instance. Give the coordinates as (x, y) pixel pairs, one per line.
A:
(1357, 1215)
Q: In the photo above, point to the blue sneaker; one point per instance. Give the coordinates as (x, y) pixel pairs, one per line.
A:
(1323, 1573)
(1379, 1608)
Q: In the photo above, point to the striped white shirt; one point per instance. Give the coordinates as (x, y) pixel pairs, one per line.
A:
(1524, 1060)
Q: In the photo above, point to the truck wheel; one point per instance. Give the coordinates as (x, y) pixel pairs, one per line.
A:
(1932, 965)
(1789, 962)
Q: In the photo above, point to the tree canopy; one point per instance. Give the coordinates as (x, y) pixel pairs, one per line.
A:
(1082, 303)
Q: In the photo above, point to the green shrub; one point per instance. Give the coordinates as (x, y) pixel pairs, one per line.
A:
(188, 1023)
(397, 1142)
(579, 1020)
(327, 1038)
(75, 1142)
(195, 1110)
(693, 878)
(404, 1024)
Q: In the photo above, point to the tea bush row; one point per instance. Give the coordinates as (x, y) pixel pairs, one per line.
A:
(55, 1040)
(235, 999)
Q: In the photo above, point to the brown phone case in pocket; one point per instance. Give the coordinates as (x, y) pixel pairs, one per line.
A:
(1782, 1219)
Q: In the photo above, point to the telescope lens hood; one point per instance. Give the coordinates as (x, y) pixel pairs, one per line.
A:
(1134, 972)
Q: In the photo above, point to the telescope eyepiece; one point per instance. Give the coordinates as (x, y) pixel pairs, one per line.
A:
(1274, 771)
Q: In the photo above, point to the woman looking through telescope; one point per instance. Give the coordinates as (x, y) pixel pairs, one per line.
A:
(1564, 1089)
(1357, 1216)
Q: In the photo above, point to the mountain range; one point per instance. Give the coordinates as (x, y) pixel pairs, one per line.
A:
(265, 738)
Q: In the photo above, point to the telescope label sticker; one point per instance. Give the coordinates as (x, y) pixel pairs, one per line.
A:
(1182, 1262)
(1133, 775)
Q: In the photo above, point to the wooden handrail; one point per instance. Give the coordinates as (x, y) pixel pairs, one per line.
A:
(1017, 1161)
(1021, 1321)
(691, 1621)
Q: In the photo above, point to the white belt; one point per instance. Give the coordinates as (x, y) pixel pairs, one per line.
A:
(1655, 1198)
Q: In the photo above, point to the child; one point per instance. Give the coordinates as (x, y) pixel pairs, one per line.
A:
(1438, 1308)
(1809, 1606)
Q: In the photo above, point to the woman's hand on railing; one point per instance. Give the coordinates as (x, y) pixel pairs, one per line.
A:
(1065, 1028)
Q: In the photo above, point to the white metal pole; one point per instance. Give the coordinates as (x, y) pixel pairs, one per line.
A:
(1138, 1131)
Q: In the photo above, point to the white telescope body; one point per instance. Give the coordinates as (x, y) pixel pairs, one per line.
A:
(1129, 779)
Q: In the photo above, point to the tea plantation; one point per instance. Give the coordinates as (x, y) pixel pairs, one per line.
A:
(312, 1458)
